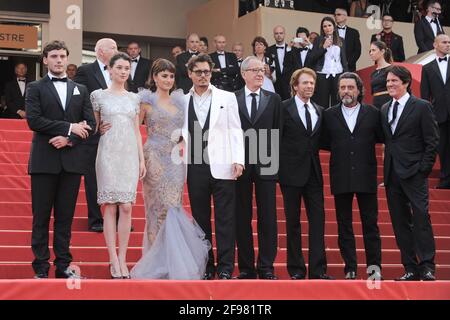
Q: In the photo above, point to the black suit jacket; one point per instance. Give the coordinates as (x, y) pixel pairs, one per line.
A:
(47, 118)
(268, 117)
(181, 76)
(282, 78)
(293, 61)
(432, 89)
(298, 151)
(353, 162)
(424, 35)
(397, 48)
(413, 146)
(352, 47)
(225, 79)
(318, 55)
(140, 75)
(15, 101)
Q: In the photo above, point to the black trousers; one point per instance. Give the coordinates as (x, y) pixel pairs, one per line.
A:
(326, 93)
(58, 192)
(201, 186)
(408, 207)
(444, 152)
(265, 191)
(90, 184)
(368, 209)
(312, 194)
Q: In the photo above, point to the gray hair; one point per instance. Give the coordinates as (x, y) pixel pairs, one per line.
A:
(358, 81)
(246, 62)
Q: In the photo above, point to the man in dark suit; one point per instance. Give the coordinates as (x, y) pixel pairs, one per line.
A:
(238, 50)
(300, 55)
(95, 76)
(351, 38)
(140, 67)
(351, 131)
(226, 66)
(15, 91)
(59, 112)
(181, 76)
(428, 27)
(260, 114)
(392, 40)
(278, 52)
(411, 139)
(300, 175)
(435, 87)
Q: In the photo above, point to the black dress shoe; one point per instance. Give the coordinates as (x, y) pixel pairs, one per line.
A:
(224, 276)
(268, 276)
(428, 276)
(208, 276)
(67, 274)
(351, 275)
(323, 276)
(408, 276)
(41, 275)
(246, 275)
(298, 276)
(98, 227)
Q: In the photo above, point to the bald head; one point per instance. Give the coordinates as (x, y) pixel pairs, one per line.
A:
(220, 42)
(192, 42)
(442, 45)
(279, 33)
(105, 48)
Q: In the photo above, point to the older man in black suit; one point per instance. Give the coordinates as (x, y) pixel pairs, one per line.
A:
(351, 38)
(15, 93)
(59, 112)
(411, 139)
(181, 76)
(351, 131)
(226, 67)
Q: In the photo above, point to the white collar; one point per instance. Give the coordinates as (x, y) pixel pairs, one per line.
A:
(209, 90)
(101, 65)
(446, 56)
(403, 100)
(300, 102)
(248, 91)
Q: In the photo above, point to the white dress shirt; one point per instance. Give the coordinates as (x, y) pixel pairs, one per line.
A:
(350, 115)
(434, 26)
(280, 54)
(249, 98)
(105, 73)
(301, 112)
(332, 63)
(443, 65)
(402, 102)
(303, 54)
(134, 66)
(61, 88)
(342, 32)
(21, 86)
(202, 104)
(221, 56)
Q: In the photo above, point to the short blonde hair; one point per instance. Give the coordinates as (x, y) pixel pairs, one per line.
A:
(297, 74)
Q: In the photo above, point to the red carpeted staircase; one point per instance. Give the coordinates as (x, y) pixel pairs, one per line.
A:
(89, 251)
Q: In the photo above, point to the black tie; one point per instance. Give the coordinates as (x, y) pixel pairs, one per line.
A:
(220, 54)
(303, 49)
(134, 60)
(394, 113)
(282, 48)
(433, 21)
(254, 107)
(442, 59)
(105, 67)
(59, 79)
(341, 28)
(308, 120)
(23, 80)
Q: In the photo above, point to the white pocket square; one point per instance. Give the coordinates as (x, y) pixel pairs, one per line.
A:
(76, 91)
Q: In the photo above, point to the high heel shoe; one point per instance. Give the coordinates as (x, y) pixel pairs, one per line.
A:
(114, 273)
(125, 275)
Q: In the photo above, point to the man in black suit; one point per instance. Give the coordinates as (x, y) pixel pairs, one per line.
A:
(392, 40)
(411, 139)
(226, 67)
(15, 91)
(95, 76)
(428, 27)
(181, 76)
(59, 112)
(300, 55)
(351, 38)
(238, 50)
(278, 52)
(435, 87)
(260, 114)
(140, 67)
(300, 175)
(351, 131)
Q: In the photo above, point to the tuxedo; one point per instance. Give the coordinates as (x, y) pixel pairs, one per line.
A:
(397, 48)
(225, 79)
(140, 75)
(300, 175)
(15, 100)
(434, 89)
(282, 77)
(55, 173)
(239, 82)
(92, 77)
(211, 175)
(353, 172)
(293, 61)
(181, 76)
(352, 47)
(265, 122)
(410, 153)
(424, 34)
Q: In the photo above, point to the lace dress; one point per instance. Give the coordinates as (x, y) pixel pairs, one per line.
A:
(117, 163)
(173, 245)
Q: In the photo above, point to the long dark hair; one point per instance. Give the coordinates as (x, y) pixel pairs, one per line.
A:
(336, 39)
(158, 66)
(387, 51)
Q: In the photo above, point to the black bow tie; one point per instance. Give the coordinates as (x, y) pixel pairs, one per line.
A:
(59, 79)
(442, 59)
(193, 53)
(23, 80)
(220, 54)
(105, 67)
(280, 47)
(342, 28)
(433, 21)
(134, 60)
(303, 49)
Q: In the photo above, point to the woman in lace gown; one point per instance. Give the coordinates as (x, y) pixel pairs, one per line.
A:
(120, 160)
(174, 245)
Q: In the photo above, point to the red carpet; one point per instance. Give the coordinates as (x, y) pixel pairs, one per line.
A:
(90, 254)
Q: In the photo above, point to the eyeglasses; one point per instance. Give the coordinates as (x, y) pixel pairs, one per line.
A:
(257, 70)
(199, 73)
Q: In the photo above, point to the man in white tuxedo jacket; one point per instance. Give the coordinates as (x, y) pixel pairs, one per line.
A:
(215, 159)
